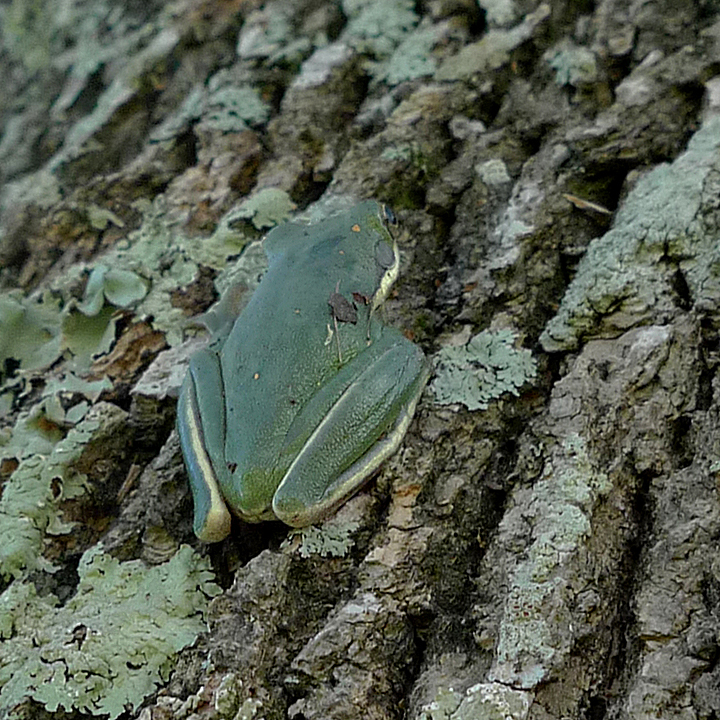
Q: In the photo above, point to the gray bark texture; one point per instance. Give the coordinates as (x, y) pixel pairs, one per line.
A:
(551, 554)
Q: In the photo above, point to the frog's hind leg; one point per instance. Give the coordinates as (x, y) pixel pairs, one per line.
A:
(364, 426)
(201, 427)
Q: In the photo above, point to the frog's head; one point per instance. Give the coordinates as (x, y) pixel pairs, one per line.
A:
(359, 248)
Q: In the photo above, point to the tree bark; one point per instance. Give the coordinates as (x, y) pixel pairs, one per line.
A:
(555, 168)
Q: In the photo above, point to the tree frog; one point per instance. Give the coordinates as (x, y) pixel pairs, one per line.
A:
(297, 402)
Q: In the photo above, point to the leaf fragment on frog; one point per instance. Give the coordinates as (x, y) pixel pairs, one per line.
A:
(342, 309)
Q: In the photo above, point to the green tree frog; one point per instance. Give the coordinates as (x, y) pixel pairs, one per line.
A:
(298, 401)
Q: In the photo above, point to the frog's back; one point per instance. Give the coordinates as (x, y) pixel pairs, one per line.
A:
(286, 344)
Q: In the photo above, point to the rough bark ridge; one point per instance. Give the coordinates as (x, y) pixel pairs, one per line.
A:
(555, 167)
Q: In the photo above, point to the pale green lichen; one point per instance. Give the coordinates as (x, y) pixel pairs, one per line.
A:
(71, 384)
(482, 370)
(141, 50)
(267, 208)
(444, 705)
(493, 173)
(411, 59)
(410, 153)
(146, 269)
(26, 510)
(404, 152)
(100, 217)
(32, 496)
(329, 540)
(122, 288)
(387, 33)
(269, 34)
(35, 331)
(376, 27)
(231, 701)
(396, 47)
(29, 330)
(229, 108)
(112, 644)
(87, 336)
(573, 65)
(157, 259)
(667, 223)
(489, 701)
(220, 105)
(59, 391)
(536, 605)
(499, 12)
(31, 435)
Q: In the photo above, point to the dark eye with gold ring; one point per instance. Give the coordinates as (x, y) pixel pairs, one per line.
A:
(390, 216)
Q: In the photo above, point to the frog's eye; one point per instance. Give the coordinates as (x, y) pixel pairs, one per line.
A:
(390, 216)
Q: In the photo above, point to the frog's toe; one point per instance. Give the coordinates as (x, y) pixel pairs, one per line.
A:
(213, 525)
(293, 511)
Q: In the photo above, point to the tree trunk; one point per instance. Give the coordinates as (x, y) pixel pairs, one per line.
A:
(543, 544)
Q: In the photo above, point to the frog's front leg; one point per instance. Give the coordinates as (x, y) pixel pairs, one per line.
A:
(359, 420)
(201, 427)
